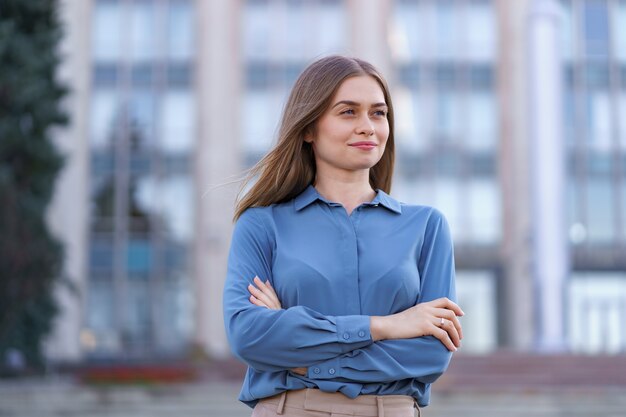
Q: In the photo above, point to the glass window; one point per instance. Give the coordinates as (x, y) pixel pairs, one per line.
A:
(256, 31)
(596, 313)
(480, 31)
(449, 116)
(410, 114)
(139, 256)
(107, 30)
(262, 111)
(138, 329)
(447, 38)
(476, 293)
(175, 313)
(333, 28)
(567, 30)
(178, 122)
(600, 216)
(596, 28)
(104, 115)
(599, 119)
(176, 204)
(101, 253)
(296, 43)
(141, 118)
(101, 314)
(404, 35)
(180, 30)
(622, 119)
(618, 26)
(143, 30)
(484, 210)
(482, 114)
(577, 229)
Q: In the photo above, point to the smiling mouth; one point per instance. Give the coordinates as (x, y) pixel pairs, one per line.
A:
(364, 145)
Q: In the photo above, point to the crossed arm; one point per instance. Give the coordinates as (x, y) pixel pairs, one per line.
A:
(415, 343)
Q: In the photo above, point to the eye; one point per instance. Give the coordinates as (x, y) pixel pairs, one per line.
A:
(381, 113)
(348, 111)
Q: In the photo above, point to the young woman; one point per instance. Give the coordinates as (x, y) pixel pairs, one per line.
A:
(338, 297)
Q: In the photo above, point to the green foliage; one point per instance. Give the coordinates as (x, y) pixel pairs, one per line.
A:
(30, 257)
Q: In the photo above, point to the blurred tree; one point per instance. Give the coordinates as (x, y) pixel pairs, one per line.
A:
(30, 257)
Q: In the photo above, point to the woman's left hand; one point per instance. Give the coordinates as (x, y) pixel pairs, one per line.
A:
(264, 295)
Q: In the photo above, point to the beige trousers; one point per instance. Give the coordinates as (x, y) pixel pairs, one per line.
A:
(315, 403)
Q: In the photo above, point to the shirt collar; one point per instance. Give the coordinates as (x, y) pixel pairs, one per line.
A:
(310, 194)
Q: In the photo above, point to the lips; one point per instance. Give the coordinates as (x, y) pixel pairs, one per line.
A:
(365, 145)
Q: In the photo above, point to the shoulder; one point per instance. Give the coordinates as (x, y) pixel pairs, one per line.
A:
(427, 213)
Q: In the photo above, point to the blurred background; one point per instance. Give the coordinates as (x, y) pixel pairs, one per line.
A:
(510, 119)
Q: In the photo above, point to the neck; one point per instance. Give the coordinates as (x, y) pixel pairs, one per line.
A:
(350, 191)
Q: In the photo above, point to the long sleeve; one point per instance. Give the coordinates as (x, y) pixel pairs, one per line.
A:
(274, 340)
(423, 358)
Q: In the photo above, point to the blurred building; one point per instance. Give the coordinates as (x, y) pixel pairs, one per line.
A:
(173, 99)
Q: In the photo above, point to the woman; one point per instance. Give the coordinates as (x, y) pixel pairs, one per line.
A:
(338, 296)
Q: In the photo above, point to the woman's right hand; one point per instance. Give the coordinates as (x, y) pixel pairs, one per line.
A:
(424, 319)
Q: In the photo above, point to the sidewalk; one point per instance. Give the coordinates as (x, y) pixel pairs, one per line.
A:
(56, 397)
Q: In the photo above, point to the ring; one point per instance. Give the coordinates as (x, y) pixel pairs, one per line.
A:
(442, 322)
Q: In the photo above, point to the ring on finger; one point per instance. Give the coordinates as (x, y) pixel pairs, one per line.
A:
(442, 321)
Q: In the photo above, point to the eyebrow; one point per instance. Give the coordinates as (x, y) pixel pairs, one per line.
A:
(354, 103)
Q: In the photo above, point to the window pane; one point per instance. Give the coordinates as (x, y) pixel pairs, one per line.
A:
(596, 28)
(333, 32)
(481, 135)
(484, 210)
(567, 30)
(104, 115)
(262, 117)
(600, 221)
(180, 30)
(596, 312)
(410, 113)
(176, 199)
(143, 30)
(476, 292)
(448, 125)
(256, 30)
(139, 256)
(107, 31)
(404, 37)
(178, 122)
(141, 119)
(480, 31)
(599, 113)
(618, 25)
(100, 315)
(447, 20)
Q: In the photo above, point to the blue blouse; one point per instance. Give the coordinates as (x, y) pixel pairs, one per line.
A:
(332, 271)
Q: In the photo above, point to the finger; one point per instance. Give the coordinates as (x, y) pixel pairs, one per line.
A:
(452, 332)
(269, 292)
(271, 289)
(449, 304)
(449, 315)
(260, 295)
(257, 302)
(444, 337)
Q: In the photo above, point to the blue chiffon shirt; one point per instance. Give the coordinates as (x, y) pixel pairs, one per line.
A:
(332, 271)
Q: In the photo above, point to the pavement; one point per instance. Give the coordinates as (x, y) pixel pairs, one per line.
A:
(58, 397)
(495, 386)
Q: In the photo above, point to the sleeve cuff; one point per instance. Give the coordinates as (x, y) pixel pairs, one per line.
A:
(353, 329)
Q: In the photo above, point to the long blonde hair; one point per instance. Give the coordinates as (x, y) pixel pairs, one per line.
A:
(289, 167)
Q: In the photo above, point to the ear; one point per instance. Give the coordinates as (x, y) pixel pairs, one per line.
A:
(308, 135)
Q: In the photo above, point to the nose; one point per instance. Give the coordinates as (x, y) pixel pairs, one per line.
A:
(366, 127)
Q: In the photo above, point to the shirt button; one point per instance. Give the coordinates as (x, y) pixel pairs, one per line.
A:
(316, 370)
(346, 336)
(361, 333)
(331, 371)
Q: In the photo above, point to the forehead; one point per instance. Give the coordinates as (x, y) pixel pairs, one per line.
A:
(362, 89)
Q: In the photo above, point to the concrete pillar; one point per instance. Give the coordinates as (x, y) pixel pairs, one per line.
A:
(516, 323)
(368, 20)
(548, 173)
(219, 81)
(69, 221)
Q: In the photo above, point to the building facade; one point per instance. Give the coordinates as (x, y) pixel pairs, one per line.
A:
(173, 99)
